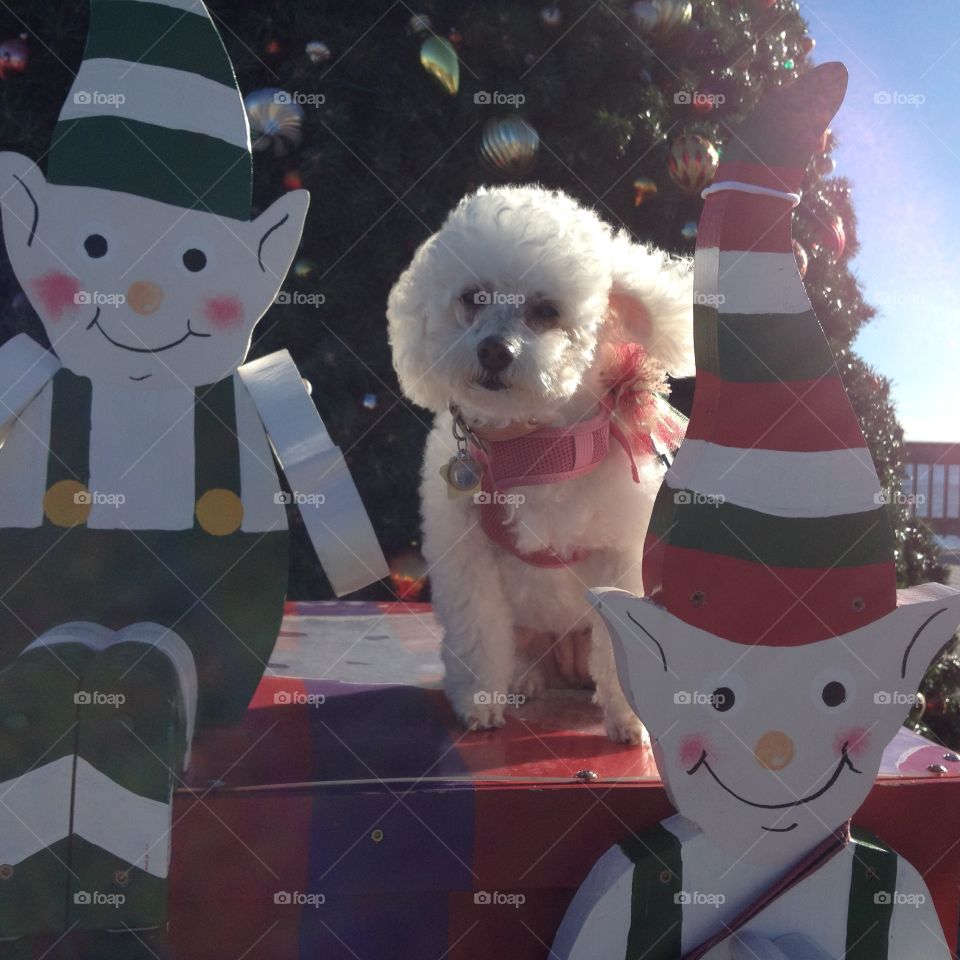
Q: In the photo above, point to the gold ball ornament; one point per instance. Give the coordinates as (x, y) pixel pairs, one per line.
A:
(662, 16)
(693, 162)
(439, 58)
(510, 145)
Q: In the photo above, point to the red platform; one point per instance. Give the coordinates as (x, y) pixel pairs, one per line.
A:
(348, 816)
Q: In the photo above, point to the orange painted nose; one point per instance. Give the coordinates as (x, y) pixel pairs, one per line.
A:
(774, 750)
(144, 297)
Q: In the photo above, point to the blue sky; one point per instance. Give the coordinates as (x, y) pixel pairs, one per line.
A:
(903, 158)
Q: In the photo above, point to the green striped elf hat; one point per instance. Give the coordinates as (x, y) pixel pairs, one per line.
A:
(770, 527)
(155, 110)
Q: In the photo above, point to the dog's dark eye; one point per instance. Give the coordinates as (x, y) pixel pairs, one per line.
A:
(722, 699)
(542, 316)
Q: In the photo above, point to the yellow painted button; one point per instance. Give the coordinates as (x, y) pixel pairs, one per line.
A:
(67, 503)
(220, 512)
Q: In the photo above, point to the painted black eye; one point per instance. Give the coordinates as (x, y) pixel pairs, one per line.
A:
(722, 699)
(96, 246)
(834, 693)
(194, 260)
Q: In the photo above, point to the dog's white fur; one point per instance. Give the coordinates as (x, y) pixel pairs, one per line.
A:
(526, 241)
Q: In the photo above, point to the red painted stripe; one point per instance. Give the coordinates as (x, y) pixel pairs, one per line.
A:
(744, 221)
(787, 179)
(752, 603)
(800, 415)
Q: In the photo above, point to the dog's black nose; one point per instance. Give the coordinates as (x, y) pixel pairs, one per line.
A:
(494, 354)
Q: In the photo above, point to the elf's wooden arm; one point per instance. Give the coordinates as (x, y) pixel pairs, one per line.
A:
(25, 369)
(323, 489)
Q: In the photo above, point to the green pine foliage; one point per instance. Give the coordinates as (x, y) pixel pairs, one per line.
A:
(390, 151)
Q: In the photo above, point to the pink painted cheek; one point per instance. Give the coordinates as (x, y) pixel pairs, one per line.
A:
(857, 740)
(57, 292)
(691, 749)
(223, 312)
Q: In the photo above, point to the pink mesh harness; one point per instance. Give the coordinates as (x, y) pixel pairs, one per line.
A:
(554, 454)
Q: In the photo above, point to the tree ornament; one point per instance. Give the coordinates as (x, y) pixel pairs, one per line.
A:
(304, 268)
(689, 231)
(824, 164)
(551, 16)
(509, 144)
(662, 16)
(317, 51)
(439, 58)
(693, 162)
(14, 55)
(408, 575)
(276, 119)
(807, 44)
(370, 401)
(455, 37)
(420, 23)
(292, 180)
(803, 258)
(273, 47)
(643, 187)
(789, 64)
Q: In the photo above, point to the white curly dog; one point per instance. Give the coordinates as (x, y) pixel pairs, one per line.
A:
(515, 325)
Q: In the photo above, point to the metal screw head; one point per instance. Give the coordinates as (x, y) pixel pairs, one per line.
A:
(6, 871)
(951, 757)
(698, 598)
(121, 878)
(587, 776)
(937, 768)
(376, 835)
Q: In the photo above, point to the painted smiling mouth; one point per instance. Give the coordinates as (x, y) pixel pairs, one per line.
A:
(844, 762)
(95, 322)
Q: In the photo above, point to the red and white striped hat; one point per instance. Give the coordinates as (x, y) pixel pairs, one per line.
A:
(770, 527)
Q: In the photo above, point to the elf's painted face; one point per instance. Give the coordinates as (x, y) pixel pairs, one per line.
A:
(135, 291)
(768, 748)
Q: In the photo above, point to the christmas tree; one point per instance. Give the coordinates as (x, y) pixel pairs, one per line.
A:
(393, 114)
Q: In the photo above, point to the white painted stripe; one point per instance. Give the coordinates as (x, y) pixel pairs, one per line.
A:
(785, 484)
(180, 656)
(132, 827)
(23, 464)
(737, 282)
(191, 6)
(163, 96)
(738, 186)
(35, 810)
(259, 484)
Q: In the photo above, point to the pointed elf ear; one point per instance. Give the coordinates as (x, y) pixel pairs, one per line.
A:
(22, 192)
(276, 233)
(926, 618)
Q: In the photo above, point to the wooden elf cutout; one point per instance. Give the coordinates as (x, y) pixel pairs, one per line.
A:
(143, 536)
(772, 659)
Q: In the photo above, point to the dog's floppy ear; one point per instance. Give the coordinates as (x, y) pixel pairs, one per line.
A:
(407, 316)
(651, 303)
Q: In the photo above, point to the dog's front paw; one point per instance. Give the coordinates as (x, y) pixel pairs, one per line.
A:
(478, 711)
(626, 729)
